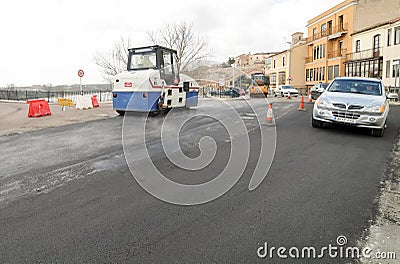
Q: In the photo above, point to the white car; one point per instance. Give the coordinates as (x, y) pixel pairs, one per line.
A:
(284, 91)
(353, 101)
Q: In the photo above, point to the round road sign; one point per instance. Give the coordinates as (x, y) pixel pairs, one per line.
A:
(81, 73)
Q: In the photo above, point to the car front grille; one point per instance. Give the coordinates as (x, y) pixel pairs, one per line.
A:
(355, 107)
(343, 114)
(341, 106)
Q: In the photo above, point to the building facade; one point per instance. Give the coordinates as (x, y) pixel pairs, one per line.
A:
(287, 67)
(371, 12)
(328, 43)
(376, 52)
(391, 55)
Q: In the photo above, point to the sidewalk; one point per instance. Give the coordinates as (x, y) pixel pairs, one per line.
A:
(14, 116)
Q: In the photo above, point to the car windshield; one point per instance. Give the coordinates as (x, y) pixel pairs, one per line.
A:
(143, 61)
(356, 86)
(324, 85)
(287, 87)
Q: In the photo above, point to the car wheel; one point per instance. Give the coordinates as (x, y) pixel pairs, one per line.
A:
(377, 132)
(316, 123)
(275, 95)
(121, 113)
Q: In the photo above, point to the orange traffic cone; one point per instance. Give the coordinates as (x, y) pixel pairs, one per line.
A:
(288, 96)
(301, 107)
(270, 116)
(309, 98)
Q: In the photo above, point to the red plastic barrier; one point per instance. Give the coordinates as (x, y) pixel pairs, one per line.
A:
(95, 103)
(38, 108)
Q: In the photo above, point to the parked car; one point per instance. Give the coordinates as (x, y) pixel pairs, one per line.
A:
(284, 91)
(317, 90)
(353, 101)
(240, 91)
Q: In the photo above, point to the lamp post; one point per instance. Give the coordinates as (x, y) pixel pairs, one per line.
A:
(290, 60)
(396, 68)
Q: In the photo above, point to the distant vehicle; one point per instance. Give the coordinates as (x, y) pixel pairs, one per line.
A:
(317, 90)
(284, 91)
(353, 101)
(259, 86)
(240, 91)
(152, 83)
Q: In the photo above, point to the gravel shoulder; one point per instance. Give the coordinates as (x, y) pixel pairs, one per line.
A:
(14, 117)
(384, 234)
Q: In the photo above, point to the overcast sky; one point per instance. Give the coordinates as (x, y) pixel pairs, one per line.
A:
(47, 41)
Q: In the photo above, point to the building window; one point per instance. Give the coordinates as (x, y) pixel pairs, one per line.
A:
(273, 78)
(307, 75)
(283, 61)
(323, 29)
(396, 35)
(377, 42)
(330, 73)
(396, 67)
(335, 71)
(282, 77)
(314, 32)
(389, 36)
(341, 23)
(387, 69)
(323, 51)
(358, 45)
(323, 74)
(274, 64)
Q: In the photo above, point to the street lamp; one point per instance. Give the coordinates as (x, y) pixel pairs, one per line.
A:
(396, 68)
(290, 60)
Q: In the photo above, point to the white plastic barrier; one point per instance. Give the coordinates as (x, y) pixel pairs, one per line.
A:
(84, 102)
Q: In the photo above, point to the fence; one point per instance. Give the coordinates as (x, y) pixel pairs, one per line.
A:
(51, 97)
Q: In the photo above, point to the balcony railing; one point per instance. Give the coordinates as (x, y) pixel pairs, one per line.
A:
(309, 59)
(337, 53)
(364, 54)
(328, 32)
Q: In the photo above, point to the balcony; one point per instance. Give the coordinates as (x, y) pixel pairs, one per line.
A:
(337, 53)
(331, 33)
(364, 54)
(309, 59)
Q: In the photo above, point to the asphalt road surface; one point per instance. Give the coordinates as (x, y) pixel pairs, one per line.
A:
(68, 196)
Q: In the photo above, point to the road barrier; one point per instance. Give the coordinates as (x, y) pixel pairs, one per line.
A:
(95, 103)
(309, 98)
(270, 116)
(84, 102)
(301, 106)
(51, 96)
(38, 108)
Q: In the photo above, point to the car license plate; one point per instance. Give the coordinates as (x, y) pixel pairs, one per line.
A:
(346, 120)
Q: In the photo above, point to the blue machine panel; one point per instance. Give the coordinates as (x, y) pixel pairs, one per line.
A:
(136, 101)
(192, 99)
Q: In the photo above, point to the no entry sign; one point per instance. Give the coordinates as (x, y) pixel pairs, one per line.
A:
(81, 73)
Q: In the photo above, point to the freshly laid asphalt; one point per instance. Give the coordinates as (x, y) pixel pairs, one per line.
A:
(67, 196)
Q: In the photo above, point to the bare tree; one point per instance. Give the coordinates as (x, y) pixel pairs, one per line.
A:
(191, 48)
(115, 60)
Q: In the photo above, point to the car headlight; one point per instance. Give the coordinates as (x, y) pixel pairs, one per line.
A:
(323, 103)
(376, 109)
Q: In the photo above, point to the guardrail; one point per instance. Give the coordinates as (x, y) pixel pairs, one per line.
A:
(51, 97)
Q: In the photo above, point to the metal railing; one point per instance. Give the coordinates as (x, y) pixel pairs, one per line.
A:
(365, 54)
(328, 32)
(337, 53)
(51, 97)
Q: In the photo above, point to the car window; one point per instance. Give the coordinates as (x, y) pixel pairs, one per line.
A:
(356, 86)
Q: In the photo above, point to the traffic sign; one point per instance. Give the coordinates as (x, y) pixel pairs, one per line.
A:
(81, 73)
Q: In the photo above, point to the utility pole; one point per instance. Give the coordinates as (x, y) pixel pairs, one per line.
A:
(290, 60)
(396, 67)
